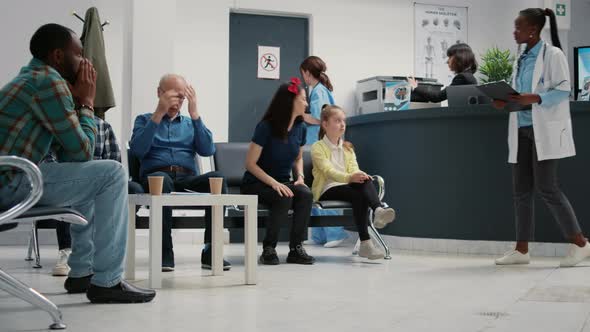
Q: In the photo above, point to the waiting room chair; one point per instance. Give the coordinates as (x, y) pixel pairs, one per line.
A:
(48, 221)
(25, 212)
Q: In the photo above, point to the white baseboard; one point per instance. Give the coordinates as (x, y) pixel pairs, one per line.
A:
(468, 247)
(20, 236)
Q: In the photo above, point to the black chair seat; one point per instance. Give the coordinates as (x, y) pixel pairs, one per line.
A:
(43, 211)
(7, 227)
(263, 211)
(334, 205)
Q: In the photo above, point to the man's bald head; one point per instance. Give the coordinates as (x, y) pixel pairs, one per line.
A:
(171, 80)
(176, 83)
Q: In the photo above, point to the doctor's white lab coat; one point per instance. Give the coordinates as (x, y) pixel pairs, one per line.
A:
(552, 125)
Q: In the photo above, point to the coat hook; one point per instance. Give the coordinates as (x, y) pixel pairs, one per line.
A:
(78, 16)
(81, 19)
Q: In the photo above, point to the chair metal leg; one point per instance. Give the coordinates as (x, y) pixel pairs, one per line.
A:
(29, 257)
(378, 237)
(36, 247)
(356, 248)
(15, 287)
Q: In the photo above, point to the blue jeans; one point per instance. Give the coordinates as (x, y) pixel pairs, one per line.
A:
(98, 190)
(62, 229)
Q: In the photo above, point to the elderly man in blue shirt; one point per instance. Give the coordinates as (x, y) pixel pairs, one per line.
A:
(166, 143)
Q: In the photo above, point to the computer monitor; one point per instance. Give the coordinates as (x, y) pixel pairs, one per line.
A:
(582, 73)
(466, 95)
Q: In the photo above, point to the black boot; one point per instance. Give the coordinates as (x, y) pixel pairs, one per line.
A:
(269, 256)
(298, 255)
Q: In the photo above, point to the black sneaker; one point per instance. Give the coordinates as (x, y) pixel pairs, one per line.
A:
(123, 292)
(77, 285)
(269, 256)
(298, 255)
(206, 260)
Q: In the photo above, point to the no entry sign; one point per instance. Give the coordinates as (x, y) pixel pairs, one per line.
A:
(269, 62)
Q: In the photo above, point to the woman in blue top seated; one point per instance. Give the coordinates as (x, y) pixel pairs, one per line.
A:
(274, 152)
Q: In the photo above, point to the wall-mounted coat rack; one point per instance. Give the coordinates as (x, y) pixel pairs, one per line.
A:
(81, 19)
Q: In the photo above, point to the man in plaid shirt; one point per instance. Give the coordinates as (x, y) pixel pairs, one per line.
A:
(36, 110)
(105, 144)
(106, 147)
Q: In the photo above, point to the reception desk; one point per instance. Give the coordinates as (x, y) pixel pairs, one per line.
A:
(447, 174)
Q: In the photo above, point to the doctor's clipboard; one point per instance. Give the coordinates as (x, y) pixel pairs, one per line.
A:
(501, 91)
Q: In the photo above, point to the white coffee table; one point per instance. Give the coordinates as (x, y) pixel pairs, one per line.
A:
(217, 202)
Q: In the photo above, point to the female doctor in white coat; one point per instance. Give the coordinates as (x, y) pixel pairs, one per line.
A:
(537, 139)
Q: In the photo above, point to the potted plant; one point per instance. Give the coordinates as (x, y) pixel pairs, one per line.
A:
(496, 65)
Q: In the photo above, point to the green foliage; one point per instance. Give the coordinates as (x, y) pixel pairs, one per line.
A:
(496, 65)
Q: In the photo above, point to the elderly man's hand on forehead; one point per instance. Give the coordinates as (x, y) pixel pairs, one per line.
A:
(172, 91)
(169, 101)
(191, 95)
(177, 93)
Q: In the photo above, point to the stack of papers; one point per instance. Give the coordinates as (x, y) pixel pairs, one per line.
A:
(188, 192)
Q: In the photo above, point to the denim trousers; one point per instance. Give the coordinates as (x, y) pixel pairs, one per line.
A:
(98, 190)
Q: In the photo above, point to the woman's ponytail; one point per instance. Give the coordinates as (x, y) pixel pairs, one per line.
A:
(325, 80)
(317, 68)
(537, 17)
(553, 26)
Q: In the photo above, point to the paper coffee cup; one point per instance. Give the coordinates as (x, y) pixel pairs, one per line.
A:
(215, 184)
(155, 184)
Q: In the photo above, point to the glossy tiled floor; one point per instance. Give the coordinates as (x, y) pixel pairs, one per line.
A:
(412, 292)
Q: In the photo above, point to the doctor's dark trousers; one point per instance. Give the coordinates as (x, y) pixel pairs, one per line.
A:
(530, 175)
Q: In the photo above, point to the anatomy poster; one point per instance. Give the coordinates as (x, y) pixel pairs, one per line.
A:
(436, 29)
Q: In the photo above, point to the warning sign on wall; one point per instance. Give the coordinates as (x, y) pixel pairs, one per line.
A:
(269, 62)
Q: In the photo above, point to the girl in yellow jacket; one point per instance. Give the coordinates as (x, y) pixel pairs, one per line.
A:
(336, 176)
